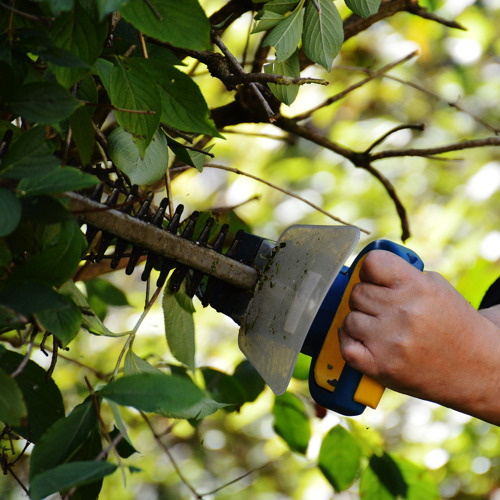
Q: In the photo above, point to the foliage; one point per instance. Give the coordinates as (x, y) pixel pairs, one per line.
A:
(113, 93)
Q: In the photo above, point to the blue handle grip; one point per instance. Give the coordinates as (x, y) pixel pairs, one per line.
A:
(340, 397)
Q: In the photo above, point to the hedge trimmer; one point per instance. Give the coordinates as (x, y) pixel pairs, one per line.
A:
(288, 296)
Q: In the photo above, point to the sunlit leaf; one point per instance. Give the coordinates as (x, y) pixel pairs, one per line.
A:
(133, 364)
(291, 421)
(140, 170)
(168, 395)
(339, 458)
(363, 8)
(179, 326)
(323, 33)
(131, 90)
(291, 67)
(68, 475)
(285, 37)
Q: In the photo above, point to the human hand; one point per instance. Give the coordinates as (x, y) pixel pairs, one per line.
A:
(414, 333)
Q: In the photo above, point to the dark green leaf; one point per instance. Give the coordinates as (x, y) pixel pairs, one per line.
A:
(63, 322)
(224, 388)
(82, 129)
(58, 180)
(146, 170)
(63, 439)
(89, 320)
(43, 398)
(363, 8)
(291, 67)
(291, 422)
(89, 451)
(44, 210)
(250, 379)
(106, 7)
(194, 159)
(104, 70)
(12, 406)
(285, 37)
(124, 448)
(80, 34)
(58, 6)
(68, 475)
(29, 155)
(323, 33)
(60, 249)
(168, 395)
(183, 104)
(107, 291)
(10, 212)
(170, 21)
(391, 483)
(339, 458)
(43, 102)
(179, 326)
(280, 6)
(131, 89)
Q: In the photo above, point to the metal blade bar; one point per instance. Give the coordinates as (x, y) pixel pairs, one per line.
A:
(163, 243)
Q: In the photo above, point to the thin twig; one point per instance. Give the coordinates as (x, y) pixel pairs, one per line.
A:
(278, 188)
(26, 358)
(255, 134)
(238, 68)
(348, 90)
(165, 448)
(143, 45)
(418, 126)
(27, 15)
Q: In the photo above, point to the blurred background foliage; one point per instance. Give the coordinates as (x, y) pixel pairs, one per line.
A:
(452, 205)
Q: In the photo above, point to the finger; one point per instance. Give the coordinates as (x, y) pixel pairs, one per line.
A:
(369, 298)
(360, 326)
(355, 353)
(384, 268)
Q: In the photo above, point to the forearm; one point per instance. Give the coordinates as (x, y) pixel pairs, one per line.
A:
(492, 314)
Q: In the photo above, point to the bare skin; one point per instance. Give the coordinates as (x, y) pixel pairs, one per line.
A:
(414, 333)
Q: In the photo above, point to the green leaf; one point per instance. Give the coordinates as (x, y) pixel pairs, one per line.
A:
(388, 477)
(250, 379)
(339, 458)
(179, 326)
(66, 476)
(82, 129)
(132, 89)
(29, 155)
(124, 448)
(383, 479)
(290, 67)
(266, 20)
(42, 397)
(61, 248)
(182, 103)
(167, 395)
(58, 180)
(80, 34)
(63, 322)
(302, 367)
(44, 210)
(183, 24)
(12, 406)
(224, 388)
(63, 438)
(363, 8)
(280, 6)
(58, 6)
(89, 320)
(106, 7)
(194, 159)
(43, 102)
(291, 422)
(104, 70)
(285, 37)
(323, 33)
(146, 170)
(10, 212)
(133, 365)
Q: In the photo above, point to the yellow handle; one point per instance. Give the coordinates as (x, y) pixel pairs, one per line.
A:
(330, 363)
